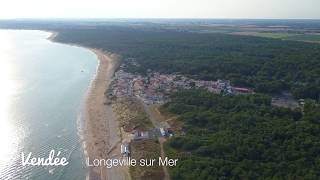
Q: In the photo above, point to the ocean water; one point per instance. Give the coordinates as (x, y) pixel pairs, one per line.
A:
(42, 87)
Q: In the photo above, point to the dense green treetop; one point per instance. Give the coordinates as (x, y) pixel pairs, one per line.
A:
(243, 137)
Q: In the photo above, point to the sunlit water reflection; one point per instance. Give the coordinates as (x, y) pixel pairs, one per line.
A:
(42, 85)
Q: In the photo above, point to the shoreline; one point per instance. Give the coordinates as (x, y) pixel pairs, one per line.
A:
(99, 128)
(101, 134)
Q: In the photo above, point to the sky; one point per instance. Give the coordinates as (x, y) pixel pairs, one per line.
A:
(252, 9)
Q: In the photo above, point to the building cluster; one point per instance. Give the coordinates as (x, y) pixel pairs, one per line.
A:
(152, 134)
(155, 88)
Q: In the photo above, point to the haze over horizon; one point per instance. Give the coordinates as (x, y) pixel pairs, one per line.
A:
(229, 9)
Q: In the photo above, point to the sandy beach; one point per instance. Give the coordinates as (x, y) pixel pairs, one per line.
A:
(101, 132)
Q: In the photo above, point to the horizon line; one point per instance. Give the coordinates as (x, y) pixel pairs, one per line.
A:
(151, 18)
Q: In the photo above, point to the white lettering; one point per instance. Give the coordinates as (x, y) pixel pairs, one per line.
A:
(52, 160)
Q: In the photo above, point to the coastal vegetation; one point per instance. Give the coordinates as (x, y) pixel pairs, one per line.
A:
(146, 149)
(267, 65)
(132, 118)
(131, 115)
(243, 137)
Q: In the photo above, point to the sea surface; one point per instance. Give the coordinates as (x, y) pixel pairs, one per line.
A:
(42, 88)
